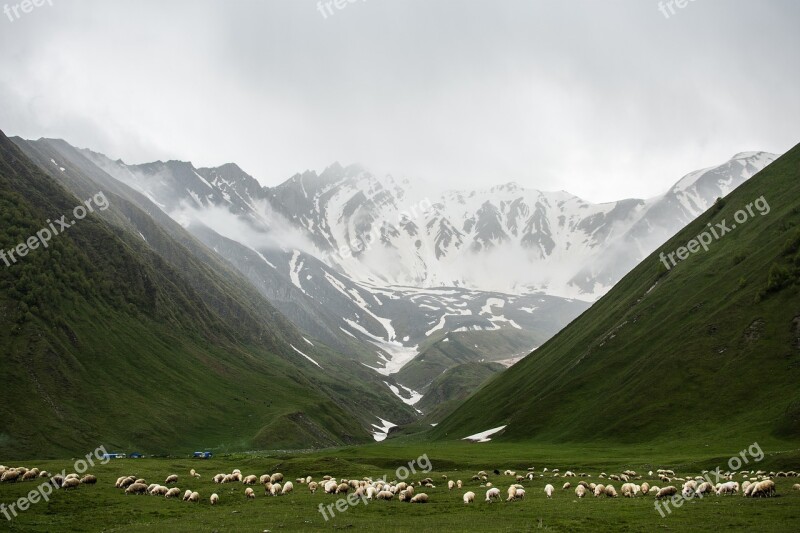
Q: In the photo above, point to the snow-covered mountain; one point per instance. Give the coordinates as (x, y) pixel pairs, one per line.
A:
(391, 273)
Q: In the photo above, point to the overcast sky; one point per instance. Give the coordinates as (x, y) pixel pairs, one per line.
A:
(604, 99)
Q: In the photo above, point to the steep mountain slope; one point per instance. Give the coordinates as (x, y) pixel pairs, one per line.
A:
(707, 349)
(117, 334)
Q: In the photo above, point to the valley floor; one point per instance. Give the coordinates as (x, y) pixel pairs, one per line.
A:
(104, 508)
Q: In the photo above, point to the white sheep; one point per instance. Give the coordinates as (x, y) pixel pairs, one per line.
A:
(275, 489)
(249, 494)
(580, 491)
(187, 494)
(214, 498)
(451, 485)
(192, 473)
(611, 492)
(171, 479)
(287, 488)
(250, 480)
(174, 492)
(195, 497)
(666, 492)
(312, 487)
(420, 498)
(493, 494)
(276, 478)
(548, 489)
(469, 497)
(599, 490)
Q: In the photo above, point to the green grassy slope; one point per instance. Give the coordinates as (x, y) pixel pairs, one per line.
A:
(707, 350)
(103, 342)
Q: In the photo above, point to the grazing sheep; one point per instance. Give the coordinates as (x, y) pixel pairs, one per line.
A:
(250, 480)
(705, 488)
(599, 490)
(580, 491)
(88, 479)
(171, 479)
(174, 492)
(134, 488)
(219, 478)
(194, 497)
(493, 494)
(249, 494)
(276, 478)
(763, 489)
(214, 499)
(548, 489)
(645, 488)
(420, 498)
(796, 486)
(275, 489)
(451, 485)
(312, 487)
(186, 495)
(372, 493)
(287, 488)
(44, 473)
(140, 480)
(193, 473)
(611, 492)
(666, 492)
(459, 484)
(71, 483)
(331, 486)
(731, 487)
(342, 488)
(30, 474)
(567, 486)
(469, 497)
(628, 490)
(159, 490)
(385, 495)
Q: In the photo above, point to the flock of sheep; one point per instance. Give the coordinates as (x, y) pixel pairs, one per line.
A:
(10, 474)
(754, 484)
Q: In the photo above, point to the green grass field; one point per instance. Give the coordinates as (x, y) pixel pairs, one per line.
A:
(104, 508)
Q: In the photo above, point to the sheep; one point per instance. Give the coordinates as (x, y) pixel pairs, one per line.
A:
(420, 498)
(30, 474)
(567, 486)
(665, 492)
(796, 486)
(705, 488)
(451, 485)
(219, 478)
(628, 490)
(645, 488)
(214, 499)
(580, 491)
(275, 489)
(171, 479)
(764, 488)
(611, 492)
(385, 495)
(250, 480)
(330, 486)
(410, 490)
(469, 497)
(140, 480)
(493, 494)
(276, 478)
(731, 487)
(186, 495)
(548, 489)
(159, 490)
(249, 494)
(71, 483)
(403, 496)
(287, 488)
(194, 497)
(88, 479)
(599, 490)
(312, 487)
(134, 488)
(174, 492)
(459, 484)
(192, 473)
(372, 493)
